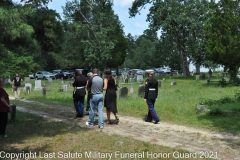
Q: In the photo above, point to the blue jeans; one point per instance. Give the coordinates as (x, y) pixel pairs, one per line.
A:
(79, 106)
(96, 100)
(152, 115)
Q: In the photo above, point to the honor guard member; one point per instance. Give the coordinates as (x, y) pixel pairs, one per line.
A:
(151, 93)
(78, 97)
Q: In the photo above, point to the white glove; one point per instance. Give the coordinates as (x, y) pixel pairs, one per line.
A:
(145, 100)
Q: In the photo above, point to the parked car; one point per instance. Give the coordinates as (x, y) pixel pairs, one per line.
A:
(31, 75)
(44, 75)
(114, 73)
(62, 75)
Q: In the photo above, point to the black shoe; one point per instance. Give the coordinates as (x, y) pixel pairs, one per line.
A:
(147, 120)
(156, 122)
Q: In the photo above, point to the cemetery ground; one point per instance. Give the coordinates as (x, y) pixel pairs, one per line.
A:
(46, 124)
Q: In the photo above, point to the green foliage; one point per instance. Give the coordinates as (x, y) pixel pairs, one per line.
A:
(223, 36)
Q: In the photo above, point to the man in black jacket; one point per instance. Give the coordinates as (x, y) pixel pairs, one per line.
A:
(78, 96)
(151, 93)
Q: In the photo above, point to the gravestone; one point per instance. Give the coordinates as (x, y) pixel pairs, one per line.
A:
(141, 90)
(50, 80)
(44, 90)
(27, 87)
(125, 77)
(38, 85)
(140, 77)
(173, 83)
(64, 88)
(159, 84)
(197, 77)
(26, 79)
(123, 92)
(7, 81)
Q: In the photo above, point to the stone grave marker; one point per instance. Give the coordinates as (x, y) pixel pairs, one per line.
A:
(123, 92)
(139, 77)
(27, 87)
(64, 88)
(38, 85)
(26, 79)
(141, 90)
(159, 84)
(197, 77)
(50, 80)
(173, 83)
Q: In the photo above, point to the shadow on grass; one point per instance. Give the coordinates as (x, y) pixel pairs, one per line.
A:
(223, 121)
(32, 128)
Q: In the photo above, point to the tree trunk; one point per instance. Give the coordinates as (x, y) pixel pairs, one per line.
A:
(198, 69)
(184, 63)
(233, 73)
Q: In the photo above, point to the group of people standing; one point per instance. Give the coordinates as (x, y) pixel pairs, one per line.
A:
(95, 85)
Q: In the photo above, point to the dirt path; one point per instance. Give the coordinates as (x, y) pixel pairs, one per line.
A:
(197, 141)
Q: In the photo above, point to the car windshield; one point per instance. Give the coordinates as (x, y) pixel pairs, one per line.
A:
(46, 73)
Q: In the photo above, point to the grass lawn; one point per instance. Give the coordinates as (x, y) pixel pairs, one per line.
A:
(175, 104)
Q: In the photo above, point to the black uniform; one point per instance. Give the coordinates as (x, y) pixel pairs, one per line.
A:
(79, 94)
(151, 93)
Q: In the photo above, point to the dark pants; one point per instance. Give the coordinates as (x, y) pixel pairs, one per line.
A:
(79, 106)
(152, 115)
(3, 122)
(88, 101)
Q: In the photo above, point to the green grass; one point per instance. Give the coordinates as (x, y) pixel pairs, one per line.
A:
(45, 138)
(174, 104)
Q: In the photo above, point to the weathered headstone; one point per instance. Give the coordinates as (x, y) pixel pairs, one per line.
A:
(38, 85)
(27, 85)
(140, 77)
(173, 83)
(7, 81)
(123, 92)
(197, 77)
(26, 79)
(13, 112)
(44, 91)
(141, 90)
(65, 88)
(50, 80)
(159, 84)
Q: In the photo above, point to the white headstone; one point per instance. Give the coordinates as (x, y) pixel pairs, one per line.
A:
(50, 80)
(65, 88)
(197, 77)
(38, 85)
(139, 77)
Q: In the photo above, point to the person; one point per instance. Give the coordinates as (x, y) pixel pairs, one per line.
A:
(110, 100)
(16, 84)
(90, 74)
(95, 85)
(4, 108)
(151, 93)
(79, 94)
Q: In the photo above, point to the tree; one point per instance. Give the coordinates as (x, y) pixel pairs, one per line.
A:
(12, 52)
(101, 39)
(223, 35)
(177, 19)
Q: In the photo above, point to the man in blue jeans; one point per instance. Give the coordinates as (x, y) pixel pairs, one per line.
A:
(95, 86)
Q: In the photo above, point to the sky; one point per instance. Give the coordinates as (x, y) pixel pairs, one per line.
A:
(135, 25)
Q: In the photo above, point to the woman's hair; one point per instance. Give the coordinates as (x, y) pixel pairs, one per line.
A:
(108, 74)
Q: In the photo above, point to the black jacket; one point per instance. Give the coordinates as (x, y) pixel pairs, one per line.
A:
(80, 83)
(151, 88)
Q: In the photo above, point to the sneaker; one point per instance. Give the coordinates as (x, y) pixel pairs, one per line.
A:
(101, 127)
